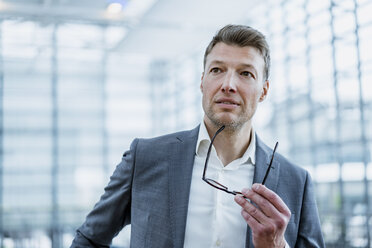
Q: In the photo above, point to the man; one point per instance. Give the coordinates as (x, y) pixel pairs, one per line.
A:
(158, 186)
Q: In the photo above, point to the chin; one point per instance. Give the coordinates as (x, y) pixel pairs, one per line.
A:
(230, 123)
(226, 118)
(224, 121)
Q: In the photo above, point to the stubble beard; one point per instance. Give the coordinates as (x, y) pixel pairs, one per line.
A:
(232, 125)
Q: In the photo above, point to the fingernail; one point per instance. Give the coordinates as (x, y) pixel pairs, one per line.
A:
(256, 186)
(245, 191)
(239, 199)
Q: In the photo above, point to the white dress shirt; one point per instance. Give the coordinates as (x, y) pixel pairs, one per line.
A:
(213, 217)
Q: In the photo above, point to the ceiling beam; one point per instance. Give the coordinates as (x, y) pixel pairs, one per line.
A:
(48, 12)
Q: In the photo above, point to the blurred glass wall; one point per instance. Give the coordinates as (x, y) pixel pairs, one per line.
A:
(63, 116)
(322, 106)
(70, 104)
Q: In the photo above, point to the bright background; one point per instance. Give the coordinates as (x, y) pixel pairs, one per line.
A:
(80, 79)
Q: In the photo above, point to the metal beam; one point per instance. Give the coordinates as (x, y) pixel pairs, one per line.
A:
(363, 122)
(55, 13)
(1, 140)
(338, 122)
(55, 226)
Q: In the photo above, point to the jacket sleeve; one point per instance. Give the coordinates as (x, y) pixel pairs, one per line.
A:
(112, 212)
(309, 233)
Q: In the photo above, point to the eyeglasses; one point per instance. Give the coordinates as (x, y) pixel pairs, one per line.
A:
(220, 186)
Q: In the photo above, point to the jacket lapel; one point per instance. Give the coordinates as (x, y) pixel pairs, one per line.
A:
(263, 157)
(182, 153)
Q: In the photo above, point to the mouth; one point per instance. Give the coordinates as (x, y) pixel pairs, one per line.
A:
(227, 102)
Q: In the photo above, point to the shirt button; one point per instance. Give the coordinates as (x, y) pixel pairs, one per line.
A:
(218, 243)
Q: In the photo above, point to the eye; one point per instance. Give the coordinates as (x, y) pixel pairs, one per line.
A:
(215, 70)
(247, 74)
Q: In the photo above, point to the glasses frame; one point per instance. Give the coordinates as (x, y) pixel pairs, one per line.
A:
(220, 186)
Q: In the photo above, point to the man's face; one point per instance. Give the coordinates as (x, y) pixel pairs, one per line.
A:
(232, 85)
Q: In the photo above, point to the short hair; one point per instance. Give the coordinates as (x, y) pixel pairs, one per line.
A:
(241, 35)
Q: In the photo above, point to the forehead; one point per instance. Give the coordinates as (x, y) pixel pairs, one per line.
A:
(235, 55)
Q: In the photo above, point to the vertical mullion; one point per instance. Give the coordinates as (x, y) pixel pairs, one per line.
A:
(2, 153)
(362, 121)
(337, 124)
(313, 147)
(271, 31)
(287, 59)
(55, 133)
(105, 163)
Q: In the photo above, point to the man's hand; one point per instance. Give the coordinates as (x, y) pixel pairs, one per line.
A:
(268, 218)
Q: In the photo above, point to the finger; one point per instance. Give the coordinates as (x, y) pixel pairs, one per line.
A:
(251, 211)
(261, 203)
(250, 220)
(267, 207)
(272, 197)
(276, 219)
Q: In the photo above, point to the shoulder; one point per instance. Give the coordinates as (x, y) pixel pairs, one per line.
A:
(167, 139)
(288, 169)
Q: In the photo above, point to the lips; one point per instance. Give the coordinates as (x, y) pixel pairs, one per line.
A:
(227, 101)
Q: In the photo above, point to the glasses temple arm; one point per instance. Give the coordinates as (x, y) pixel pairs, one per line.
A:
(271, 162)
(210, 148)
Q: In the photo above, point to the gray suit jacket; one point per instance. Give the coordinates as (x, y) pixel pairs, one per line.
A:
(150, 190)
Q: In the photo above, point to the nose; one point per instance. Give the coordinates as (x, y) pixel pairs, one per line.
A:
(229, 83)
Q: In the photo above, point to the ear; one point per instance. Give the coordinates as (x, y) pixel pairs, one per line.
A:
(265, 89)
(201, 82)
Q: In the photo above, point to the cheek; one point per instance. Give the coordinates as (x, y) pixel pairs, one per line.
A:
(206, 98)
(251, 98)
(208, 91)
(251, 95)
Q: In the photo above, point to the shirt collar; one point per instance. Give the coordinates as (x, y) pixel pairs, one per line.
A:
(204, 141)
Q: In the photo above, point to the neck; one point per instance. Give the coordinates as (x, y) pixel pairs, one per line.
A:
(230, 144)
